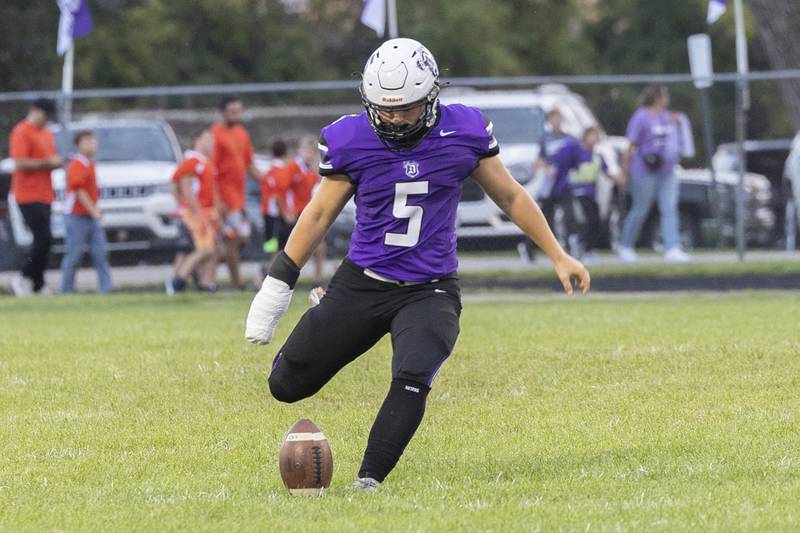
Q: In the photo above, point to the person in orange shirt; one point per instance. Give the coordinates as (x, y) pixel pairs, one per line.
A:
(82, 217)
(275, 184)
(304, 181)
(233, 156)
(33, 149)
(195, 189)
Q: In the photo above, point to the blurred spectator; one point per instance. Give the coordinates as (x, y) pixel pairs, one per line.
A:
(279, 218)
(197, 196)
(33, 149)
(304, 181)
(649, 170)
(82, 217)
(547, 196)
(233, 157)
(579, 160)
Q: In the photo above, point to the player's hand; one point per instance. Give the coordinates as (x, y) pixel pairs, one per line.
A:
(269, 305)
(569, 268)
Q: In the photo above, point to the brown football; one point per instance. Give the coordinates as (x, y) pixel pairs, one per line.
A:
(306, 462)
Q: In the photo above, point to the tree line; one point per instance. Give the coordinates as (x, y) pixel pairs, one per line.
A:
(172, 42)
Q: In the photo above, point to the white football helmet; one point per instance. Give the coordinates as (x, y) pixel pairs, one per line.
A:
(401, 74)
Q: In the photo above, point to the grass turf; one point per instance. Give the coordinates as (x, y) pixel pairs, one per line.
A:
(143, 413)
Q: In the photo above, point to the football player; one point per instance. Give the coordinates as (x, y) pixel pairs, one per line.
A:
(405, 159)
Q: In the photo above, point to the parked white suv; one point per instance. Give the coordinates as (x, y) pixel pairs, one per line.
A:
(518, 119)
(791, 175)
(135, 162)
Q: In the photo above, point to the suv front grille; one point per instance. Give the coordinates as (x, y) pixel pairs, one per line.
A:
(129, 191)
(118, 193)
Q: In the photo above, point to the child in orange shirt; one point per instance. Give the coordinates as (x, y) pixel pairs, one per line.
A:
(82, 217)
(196, 192)
(278, 216)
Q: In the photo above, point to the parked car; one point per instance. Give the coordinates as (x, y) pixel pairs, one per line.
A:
(791, 186)
(767, 157)
(135, 162)
(518, 119)
(698, 226)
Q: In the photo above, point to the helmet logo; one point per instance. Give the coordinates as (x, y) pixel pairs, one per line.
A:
(425, 62)
(411, 168)
(391, 99)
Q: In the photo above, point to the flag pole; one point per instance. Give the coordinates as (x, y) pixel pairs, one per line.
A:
(392, 15)
(66, 83)
(742, 106)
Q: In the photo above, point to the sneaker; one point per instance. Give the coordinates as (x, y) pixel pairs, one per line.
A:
(676, 255)
(20, 286)
(524, 252)
(366, 484)
(168, 288)
(315, 296)
(627, 255)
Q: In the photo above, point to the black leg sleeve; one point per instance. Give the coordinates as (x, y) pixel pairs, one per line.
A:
(397, 421)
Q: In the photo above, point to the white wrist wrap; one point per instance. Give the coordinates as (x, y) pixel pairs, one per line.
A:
(267, 308)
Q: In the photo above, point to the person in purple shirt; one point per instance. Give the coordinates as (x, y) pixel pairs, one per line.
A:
(578, 168)
(649, 169)
(405, 159)
(549, 145)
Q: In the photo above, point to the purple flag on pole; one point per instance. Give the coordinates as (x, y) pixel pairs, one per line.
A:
(75, 22)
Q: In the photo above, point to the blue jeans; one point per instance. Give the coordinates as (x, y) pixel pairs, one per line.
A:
(646, 188)
(84, 232)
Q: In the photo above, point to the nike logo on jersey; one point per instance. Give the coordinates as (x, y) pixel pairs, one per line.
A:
(439, 291)
(446, 133)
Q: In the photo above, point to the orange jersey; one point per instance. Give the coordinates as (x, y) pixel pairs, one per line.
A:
(233, 153)
(29, 142)
(303, 180)
(274, 186)
(80, 177)
(196, 165)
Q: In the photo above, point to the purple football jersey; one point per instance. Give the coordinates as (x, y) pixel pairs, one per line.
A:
(407, 200)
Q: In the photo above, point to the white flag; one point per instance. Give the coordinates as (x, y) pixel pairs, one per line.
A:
(716, 8)
(374, 15)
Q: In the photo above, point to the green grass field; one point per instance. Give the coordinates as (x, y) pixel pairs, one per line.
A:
(674, 413)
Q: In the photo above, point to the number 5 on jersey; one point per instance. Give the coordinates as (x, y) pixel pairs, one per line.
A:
(413, 213)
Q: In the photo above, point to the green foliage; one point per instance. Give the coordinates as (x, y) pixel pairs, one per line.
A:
(170, 42)
(141, 413)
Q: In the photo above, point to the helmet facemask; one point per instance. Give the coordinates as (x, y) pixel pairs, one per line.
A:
(403, 136)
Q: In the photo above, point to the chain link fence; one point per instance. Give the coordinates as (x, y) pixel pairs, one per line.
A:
(291, 110)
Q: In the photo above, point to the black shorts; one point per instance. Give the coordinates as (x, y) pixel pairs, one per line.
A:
(276, 227)
(356, 312)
